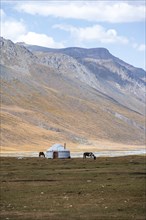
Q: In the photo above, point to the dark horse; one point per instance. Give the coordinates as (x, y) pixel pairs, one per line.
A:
(41, 154)
(89, 154)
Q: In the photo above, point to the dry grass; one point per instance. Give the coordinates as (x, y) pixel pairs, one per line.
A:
(20, 131)
(108, 188)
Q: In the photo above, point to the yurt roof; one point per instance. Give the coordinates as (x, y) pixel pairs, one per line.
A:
(57, 147)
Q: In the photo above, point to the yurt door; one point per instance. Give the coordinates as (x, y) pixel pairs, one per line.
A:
(55, 154)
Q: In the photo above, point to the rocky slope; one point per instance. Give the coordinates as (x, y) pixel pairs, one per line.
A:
(125, 83)
(74, 95)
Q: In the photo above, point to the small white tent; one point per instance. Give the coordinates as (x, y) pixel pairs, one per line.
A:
(57, 151)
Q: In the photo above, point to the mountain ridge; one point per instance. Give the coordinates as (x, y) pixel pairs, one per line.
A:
(103, 67)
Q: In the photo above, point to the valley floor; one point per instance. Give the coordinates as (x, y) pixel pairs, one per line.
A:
(106, 188)
(100, 149)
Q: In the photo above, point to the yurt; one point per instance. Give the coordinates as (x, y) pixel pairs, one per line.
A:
(57, 151)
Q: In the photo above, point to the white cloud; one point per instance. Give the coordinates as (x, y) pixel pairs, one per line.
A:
(17, 31)
(109, 11)
(39, 39)
(94, 33)
(2, 14)
(140, 47)
(11, 28)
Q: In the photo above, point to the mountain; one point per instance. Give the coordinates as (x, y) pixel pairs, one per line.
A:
(125, 83)
(85, 97)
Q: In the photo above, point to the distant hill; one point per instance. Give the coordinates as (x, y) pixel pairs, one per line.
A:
(74, 95)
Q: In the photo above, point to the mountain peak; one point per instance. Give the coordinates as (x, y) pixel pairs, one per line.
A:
(98, 53)
(15, 55)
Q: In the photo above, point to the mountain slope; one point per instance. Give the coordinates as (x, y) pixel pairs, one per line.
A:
(55, 97)
(112, 76)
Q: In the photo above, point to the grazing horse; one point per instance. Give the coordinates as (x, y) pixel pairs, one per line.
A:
(41, 154)
(89, 154)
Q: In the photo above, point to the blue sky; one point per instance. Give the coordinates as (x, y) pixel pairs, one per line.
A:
(118, 26)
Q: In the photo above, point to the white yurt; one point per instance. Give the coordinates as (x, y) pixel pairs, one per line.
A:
(57, 151)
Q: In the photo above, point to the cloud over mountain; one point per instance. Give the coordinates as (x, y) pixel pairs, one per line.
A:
(95, 33)
(18, 31)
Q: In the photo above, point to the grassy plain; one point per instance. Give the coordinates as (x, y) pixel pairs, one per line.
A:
(104, 189)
